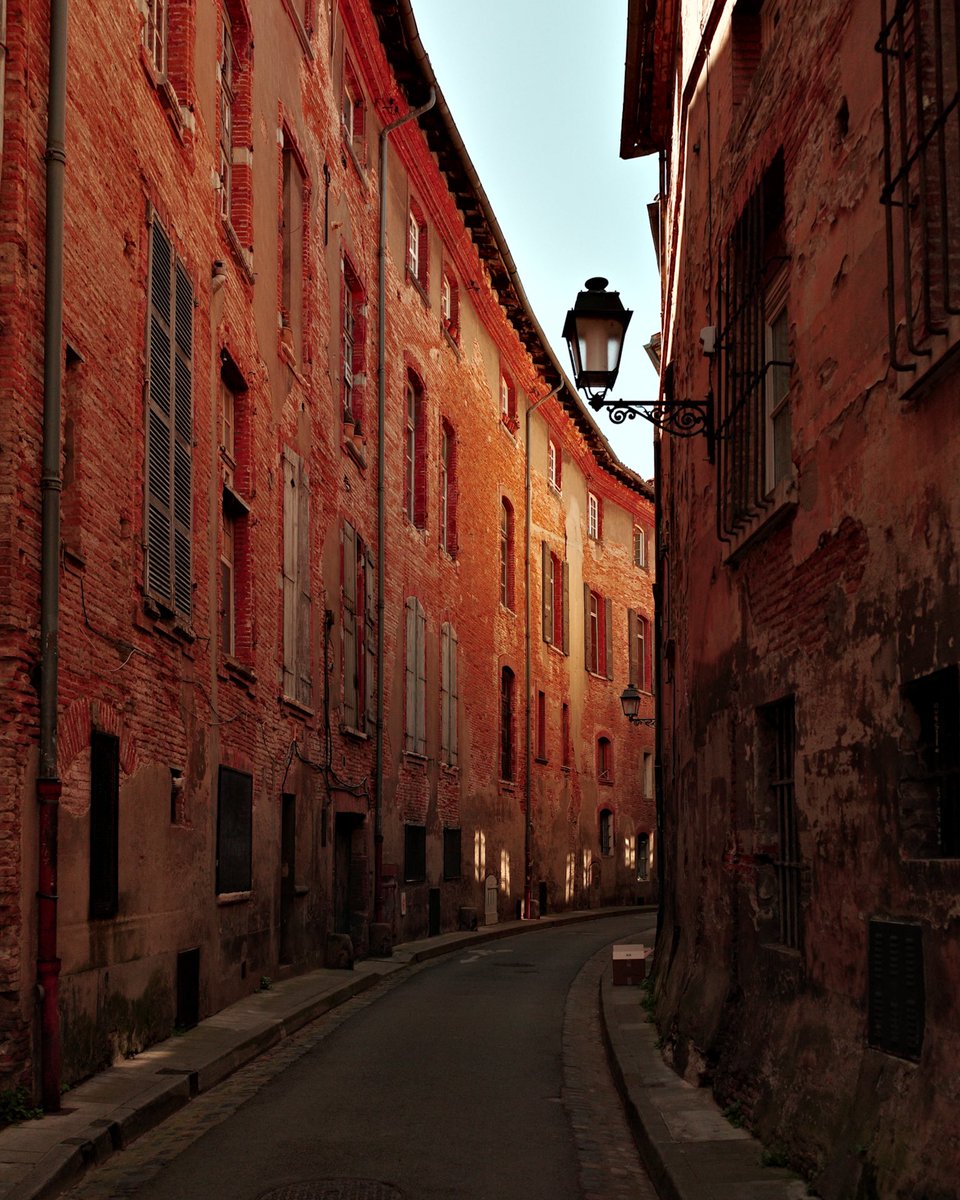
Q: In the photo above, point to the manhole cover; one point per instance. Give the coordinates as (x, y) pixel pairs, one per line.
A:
(335, 1189)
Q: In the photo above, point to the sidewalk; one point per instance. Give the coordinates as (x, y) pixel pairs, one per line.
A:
(39, 1159)
(690, 1150)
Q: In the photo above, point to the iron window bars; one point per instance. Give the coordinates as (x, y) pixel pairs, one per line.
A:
(921, 164)
(750, 261)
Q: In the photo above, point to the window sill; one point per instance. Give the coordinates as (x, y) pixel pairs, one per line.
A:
(508, 785)
(451, 769)
(179, 116)
(415, 760)
(558, 492)
(452, 337)
(542, 761)
(165, 621)
(241, 254)
(510, 427)
(606, 782)
(783, 505)
(297, 707)
(241, 672)
(356, 735)
(225, 899)
(354, 449)
(352, 156)
(417, 285)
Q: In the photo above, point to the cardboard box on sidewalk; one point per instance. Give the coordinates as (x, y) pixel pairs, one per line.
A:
(630, 963)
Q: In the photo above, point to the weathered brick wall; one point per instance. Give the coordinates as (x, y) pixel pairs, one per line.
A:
(845, 594)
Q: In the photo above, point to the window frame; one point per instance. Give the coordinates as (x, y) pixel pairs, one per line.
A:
(449, 696)
(507, 553)
(604, 760)
(507, 755)
(594, 516)
(508, 403)
(234, 878)
(415, 664)
(606, 832)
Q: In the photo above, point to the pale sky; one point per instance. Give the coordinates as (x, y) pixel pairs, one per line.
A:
(536, 90)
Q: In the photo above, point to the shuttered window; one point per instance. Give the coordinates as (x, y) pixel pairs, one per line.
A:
(359, 630)
(234, 831)
(597, 633)
(897, 1000)
(104, 824)
(414, 853)
(169, 435)
(640, 651)
(449, 697)
(555, 597)
(297, 602)
(415, 741)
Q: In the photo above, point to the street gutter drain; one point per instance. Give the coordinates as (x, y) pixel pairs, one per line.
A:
(335, 1189)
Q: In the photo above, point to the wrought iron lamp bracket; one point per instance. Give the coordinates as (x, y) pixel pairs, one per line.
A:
(682, 418)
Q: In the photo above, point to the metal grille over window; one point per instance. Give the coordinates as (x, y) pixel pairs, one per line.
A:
(921, 191)
(753, 429)
(897, 997)
(930, 757)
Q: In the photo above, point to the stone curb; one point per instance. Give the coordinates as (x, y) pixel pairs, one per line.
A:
(90, 1144)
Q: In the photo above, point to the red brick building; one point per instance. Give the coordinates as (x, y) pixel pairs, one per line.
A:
(311, 673)
(809, 234)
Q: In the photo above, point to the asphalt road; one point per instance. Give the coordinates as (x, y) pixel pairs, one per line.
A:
(445, 1085)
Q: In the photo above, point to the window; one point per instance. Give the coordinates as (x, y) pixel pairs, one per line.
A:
(930, 766)
(639, 546)
(414, 853)
(604, 760)
(554, 464)
(643, 856)
(597, 633)
(448, 488)
(647, 773)
(353, 114)
(506, 553)
(449, 695)
(235, 631)
(508, 403)
(104, 824)
(921, 167)
(359, 631)
(450, 305)
(155, 34)
(565, 757)
(555, 600)
(896, 997)
(417, 247)
(235, 132)
(594, 517)
(753, 459)
(415, 740)
(353, 351)
(169, 441)
(641, 657)
(234, 831)
(606, 832)
(778, 747)
(506, 723)
(541, 727)
(452, 856)
(297, 601)
(415, 454)
(295, 221)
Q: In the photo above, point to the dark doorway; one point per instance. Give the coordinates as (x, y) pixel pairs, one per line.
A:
(188, 989)
(348, 870)
(434, 913)
(543, 897)
(288, 844)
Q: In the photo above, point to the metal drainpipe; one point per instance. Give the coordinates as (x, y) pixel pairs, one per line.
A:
(658, 594)
(48, 781)
(528, 748)
(385, 132)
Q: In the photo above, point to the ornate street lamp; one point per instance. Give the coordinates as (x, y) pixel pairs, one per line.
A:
(630, 703)
(594, 332)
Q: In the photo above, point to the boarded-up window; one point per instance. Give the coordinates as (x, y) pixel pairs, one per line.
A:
(234, 831)
(297, 676)
(416, 677)
(452, 859)
(169, 440)
(449, 697)
(104, 824)
(897, 997)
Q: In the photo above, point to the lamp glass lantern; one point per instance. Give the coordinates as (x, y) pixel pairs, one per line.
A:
(630, 702)
(594, 332)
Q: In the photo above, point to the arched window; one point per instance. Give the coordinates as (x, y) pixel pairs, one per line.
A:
(506, 553)
(414, 488)
(507, 686)
(448, 488)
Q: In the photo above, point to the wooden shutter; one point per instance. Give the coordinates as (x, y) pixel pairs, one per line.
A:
(454, 699)
(370, 640)
(896, 988)
(234, 831)
(608, 636)
(445, 692)
(304, 600)
(546, 585)
(587, 643)
(410, 708)
(632, 619)
(349, 584)
(291, 514)
(566, 608)
(421, 690)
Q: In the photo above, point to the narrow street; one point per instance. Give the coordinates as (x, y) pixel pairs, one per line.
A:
(481, 1075)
